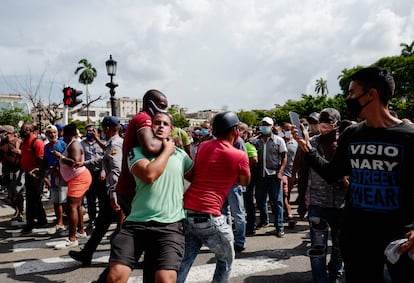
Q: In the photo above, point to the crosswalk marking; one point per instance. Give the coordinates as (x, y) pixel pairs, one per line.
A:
(200, 273)
(54, 263)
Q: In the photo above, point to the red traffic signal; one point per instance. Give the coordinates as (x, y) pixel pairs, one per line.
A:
(67, 96)
(70, 96)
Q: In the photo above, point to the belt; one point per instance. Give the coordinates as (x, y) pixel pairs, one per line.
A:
(199, 217)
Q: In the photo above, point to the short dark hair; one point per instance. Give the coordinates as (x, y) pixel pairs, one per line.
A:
(70, 130)
(378, 78)
(168, 115)
(152, 94)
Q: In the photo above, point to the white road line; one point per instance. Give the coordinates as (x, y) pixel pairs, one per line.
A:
(54, 263)
(199, 273)
(241, 267)
(47, 244)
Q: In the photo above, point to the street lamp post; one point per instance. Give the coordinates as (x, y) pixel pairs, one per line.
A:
(111, 70)
(39, 115)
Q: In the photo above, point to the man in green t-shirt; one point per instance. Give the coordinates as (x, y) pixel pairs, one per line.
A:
(155, 222)
(182, 140)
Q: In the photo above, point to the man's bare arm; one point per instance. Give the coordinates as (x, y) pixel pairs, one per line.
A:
(149, 143)
(243, 180)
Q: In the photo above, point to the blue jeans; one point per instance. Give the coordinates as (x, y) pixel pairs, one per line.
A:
(273, 187)
(236, 203)
(217, 235)
(249, 205)
(320, 220)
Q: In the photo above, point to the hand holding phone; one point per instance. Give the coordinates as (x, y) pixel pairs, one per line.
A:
(294, 119)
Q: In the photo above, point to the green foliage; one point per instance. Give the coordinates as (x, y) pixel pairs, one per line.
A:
(13, 116)
(321, 87)
(88, 73)
(303, 107)
(402, 69)
(180, 121)
(81, 125)
(407, 49)
(248, 117)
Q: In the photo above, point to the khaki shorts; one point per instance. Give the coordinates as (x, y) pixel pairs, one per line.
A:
(59, 194)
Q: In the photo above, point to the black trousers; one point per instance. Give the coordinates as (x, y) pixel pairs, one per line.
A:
(35, 212)
(106, 216)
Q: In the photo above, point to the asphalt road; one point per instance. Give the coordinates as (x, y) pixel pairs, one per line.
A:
(267, 258)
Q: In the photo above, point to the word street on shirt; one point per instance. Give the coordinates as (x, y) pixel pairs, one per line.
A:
(375, 176)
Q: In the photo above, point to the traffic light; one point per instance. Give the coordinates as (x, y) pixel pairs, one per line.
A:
(70, 97)
(75, 100)
(67, 96)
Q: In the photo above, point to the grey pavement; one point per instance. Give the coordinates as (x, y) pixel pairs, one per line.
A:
(7, 212)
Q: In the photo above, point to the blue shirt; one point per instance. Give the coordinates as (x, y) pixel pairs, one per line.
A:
(50, 159)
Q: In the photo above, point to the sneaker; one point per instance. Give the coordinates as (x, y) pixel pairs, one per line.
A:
(81, 236)
(262, 225)
(250, 232)
(67, 245)
(280, 234)
(238, 249)
(80, 256)
(60, 228)
(291, 222)
(17, 218)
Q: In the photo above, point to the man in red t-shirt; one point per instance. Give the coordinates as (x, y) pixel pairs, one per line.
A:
(218, 165)
(31, 160)
(138, 133)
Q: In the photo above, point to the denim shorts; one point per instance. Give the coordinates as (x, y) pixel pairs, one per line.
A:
(163, 244)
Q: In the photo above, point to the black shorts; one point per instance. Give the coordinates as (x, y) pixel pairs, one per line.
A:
(163, 244)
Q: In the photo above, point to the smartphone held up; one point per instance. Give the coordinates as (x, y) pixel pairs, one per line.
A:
(295, 120)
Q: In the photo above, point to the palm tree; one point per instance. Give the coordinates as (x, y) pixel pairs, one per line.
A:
(86, 77)
(407, 49)
(321, 87)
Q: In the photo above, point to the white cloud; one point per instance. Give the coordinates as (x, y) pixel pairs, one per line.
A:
(203, 54)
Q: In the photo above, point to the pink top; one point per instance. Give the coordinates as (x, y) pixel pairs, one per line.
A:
(67, 172)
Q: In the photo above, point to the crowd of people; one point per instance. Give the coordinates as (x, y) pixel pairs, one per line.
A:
(172, 190)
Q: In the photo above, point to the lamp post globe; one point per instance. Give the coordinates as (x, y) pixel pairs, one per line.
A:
(111, 70)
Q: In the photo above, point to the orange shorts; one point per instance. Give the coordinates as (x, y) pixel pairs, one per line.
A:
(78, 185)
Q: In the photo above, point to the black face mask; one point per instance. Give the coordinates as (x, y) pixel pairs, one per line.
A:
(353, 105)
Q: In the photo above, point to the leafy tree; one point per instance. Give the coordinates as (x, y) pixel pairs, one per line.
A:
(13, 116)
(248, 117)
(86, 77)
(179, 120)
(80, 125)
(402, 69)
(407, 50)
(321, 87)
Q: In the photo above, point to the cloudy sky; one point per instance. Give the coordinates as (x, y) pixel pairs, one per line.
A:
(242, 54)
